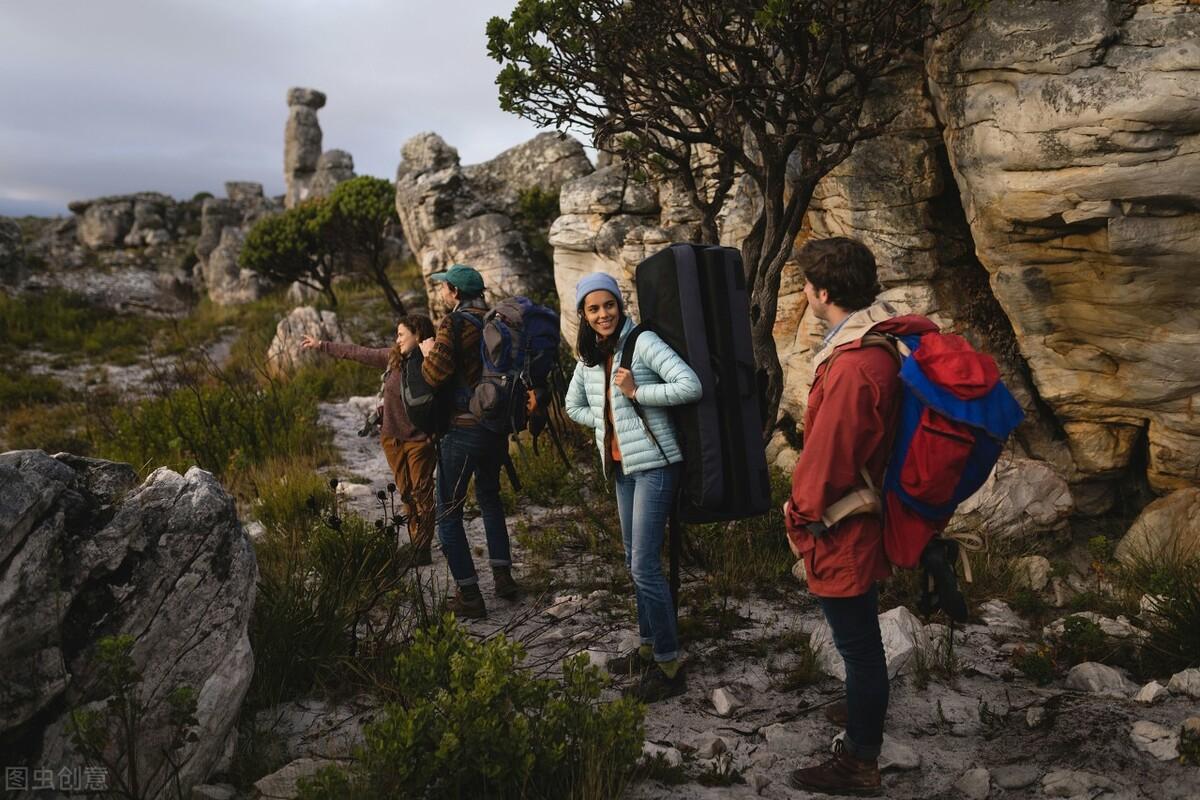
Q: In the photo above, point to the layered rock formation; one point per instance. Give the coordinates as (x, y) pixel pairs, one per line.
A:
(223, 226)
(87, 553)
(284, 355)
(452, 213)
(1074, 132)
(307, 171)
(1037, 192)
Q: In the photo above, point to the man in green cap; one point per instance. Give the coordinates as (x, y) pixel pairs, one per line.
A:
(468, 448)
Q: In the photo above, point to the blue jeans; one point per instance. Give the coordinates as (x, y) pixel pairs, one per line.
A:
(466, 452)
(644, 502)
(855, 625)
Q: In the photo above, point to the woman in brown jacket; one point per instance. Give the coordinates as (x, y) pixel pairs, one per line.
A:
(409, 452)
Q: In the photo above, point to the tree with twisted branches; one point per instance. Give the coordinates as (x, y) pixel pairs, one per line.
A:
(704, 91)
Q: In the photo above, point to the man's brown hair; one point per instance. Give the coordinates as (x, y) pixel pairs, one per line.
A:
(844, 268)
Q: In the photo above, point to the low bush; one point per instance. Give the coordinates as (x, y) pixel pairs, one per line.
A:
(469, 721)
(23, 389)
(65, 323)
(1171, 584)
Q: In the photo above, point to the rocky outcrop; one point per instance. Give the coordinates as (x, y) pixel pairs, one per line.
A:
(87, 553)
(224, 223)
(308, 172)
(333, 167)
(284, 355)
(452, 213)
(1073, 131)
(135, 220)
(545, 163)
(225, 281)
(301, 143)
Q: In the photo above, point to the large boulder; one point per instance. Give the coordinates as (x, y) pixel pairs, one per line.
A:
(1072, 127)
(1168, 530)
(87, 553)
(134, 220)
(451, 213)
(226, 282)
(1021, 499)
(285, 355)
(333, 167)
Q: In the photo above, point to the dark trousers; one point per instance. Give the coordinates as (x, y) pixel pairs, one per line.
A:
(855, 625)
(465, 452)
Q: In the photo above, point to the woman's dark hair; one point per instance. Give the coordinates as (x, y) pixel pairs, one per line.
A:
(421, 327)
(592, 351)
(419, 324)
(844, 268)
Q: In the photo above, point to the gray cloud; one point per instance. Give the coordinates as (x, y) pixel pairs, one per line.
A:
(112, 96)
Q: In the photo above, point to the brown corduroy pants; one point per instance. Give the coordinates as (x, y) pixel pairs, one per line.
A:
(412, 466)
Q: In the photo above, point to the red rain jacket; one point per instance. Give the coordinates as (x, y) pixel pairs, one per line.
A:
(849, 423)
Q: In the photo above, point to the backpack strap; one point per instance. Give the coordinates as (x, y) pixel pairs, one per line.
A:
(627, 363)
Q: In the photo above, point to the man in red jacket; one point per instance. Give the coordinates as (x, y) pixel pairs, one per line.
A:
(848, 425)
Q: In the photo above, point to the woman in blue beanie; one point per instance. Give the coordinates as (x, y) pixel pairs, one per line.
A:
(643, 458)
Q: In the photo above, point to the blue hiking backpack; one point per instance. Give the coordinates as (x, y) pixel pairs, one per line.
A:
(518, 345)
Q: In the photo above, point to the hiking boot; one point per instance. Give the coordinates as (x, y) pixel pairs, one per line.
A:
(655, 686)
(506, 587)
(938, 559)
(838, 713)
(629, 665)
(467, 603)
(842, 774)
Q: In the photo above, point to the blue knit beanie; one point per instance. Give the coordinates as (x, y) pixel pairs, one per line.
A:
(597, 281)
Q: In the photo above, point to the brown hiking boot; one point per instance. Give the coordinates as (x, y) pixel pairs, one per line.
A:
(842, 774)
(467, 603)
(838, 713)
(506, 587)
(629, 665)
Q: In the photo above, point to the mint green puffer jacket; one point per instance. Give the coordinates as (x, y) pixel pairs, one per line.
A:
(663, 379)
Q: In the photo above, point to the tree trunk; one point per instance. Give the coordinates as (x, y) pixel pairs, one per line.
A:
(379, 271)
(770, 244)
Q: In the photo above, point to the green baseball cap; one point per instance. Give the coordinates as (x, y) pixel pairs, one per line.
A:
(460, 276)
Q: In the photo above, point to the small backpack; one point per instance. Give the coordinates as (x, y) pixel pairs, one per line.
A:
(518, 345)
(420, 399)
(955, 415)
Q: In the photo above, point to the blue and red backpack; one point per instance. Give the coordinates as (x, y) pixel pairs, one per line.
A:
(955, 415)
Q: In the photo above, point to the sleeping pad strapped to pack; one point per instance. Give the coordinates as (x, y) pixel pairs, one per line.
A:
(694, 297)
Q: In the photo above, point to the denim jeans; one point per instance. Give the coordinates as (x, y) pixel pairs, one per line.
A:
(466, 452)
(855, 625)
(644, 502)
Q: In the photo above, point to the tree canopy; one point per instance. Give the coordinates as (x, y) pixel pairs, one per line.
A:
(323, 236)
(703, 92)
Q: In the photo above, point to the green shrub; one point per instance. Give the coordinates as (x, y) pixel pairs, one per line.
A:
(749, 555)
(471, 722)
(62, 322)
(1173, 583)
(1082, 640)
(17, 389)
(224, 423)
(1037, 665)
(329, 588)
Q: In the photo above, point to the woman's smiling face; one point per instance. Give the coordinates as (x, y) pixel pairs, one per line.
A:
(602, 312)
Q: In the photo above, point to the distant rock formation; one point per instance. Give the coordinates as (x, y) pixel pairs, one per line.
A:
(87, 553)
(224, 223)
(452, 213)
(306, 170)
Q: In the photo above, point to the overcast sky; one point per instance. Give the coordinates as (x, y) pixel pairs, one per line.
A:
(113, 96)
